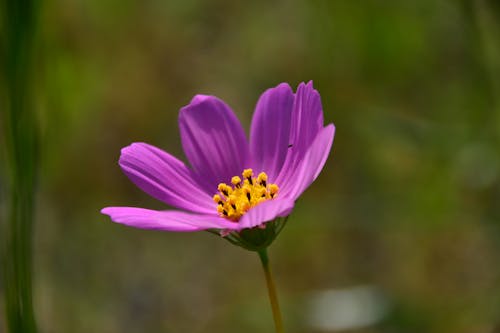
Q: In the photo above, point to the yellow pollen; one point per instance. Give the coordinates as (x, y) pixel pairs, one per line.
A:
(262, 177)
(236, 181)
(218, 199)
(224, 189)
(273, 190)
(234, 202)
(247, 173)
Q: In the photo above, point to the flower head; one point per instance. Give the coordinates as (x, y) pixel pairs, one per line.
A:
(234, 186)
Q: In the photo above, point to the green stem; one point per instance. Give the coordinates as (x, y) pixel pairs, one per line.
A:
(271, 288)
(19, 133)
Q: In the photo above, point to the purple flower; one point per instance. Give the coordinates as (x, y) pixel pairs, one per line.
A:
(232, 184)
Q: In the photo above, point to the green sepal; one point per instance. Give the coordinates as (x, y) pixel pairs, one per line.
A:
(257, 238)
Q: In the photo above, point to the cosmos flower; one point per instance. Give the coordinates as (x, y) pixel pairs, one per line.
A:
(233, 184)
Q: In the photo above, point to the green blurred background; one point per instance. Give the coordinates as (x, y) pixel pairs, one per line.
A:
(408, 205)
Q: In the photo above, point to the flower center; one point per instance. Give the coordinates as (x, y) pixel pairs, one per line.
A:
(234, 201)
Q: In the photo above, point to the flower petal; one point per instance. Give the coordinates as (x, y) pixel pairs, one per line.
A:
(311, 165)
(307, 116)
(270, 130)
(165, 178)
(166, 220)
(265, 212)
(213, 140)
(307, 121)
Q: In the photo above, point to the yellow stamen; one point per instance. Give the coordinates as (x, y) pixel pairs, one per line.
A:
(262, 178)
(236, 181)
(234, 202)
(247, 173)
(218, 199)
(273, 190)
(224, 189)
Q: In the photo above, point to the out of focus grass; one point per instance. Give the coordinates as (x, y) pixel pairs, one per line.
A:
(19, 160)
(408, 201)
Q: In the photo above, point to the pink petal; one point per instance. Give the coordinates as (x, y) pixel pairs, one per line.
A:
(165, 178)
(270, 130)
(307, 121)
(166, 220)
(213, 140)
(265, 212)
(311, 165)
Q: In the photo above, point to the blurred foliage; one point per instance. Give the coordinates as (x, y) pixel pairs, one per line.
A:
(18, 158)
(409, 200)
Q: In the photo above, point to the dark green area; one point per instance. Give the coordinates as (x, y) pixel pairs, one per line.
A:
(18, 29)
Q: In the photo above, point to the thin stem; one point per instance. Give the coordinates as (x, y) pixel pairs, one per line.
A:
(271, 288)
(18, 20)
